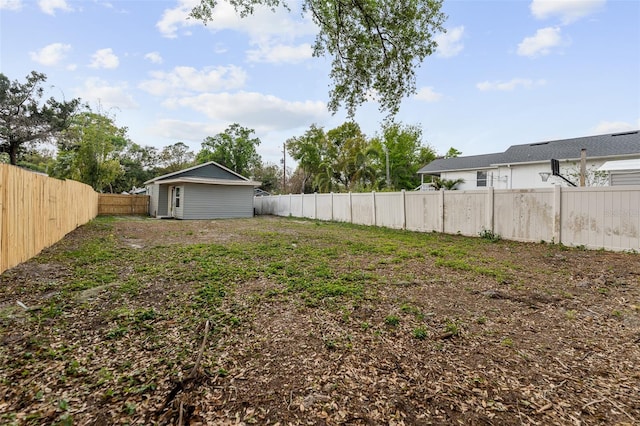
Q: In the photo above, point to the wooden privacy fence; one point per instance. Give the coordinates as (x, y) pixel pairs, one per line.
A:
(594, 217)
(116, 204)
(37, 211)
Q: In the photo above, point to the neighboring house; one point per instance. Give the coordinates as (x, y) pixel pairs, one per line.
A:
(205, 191)
(529, 165)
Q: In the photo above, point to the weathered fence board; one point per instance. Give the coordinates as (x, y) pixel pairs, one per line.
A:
(594, 217)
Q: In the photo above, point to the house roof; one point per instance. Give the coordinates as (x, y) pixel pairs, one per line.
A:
(608, 145)
(202, 170)
(610, 166)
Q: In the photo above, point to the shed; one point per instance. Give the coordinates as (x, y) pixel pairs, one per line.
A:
(205, 191)
(622, 172)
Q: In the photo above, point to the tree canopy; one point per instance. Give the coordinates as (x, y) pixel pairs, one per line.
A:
(375, 45)
(235, 149)
(25, 118)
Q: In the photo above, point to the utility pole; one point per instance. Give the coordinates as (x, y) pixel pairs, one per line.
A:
(583, 166)
(284, 167)
(386, 152)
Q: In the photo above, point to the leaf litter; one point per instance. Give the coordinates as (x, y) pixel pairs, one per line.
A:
(279, 321)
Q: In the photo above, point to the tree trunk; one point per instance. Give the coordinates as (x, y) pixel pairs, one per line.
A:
(13, 154)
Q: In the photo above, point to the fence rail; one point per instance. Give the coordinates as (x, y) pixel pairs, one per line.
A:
(594, 217)
(117, 204)
(37, 211)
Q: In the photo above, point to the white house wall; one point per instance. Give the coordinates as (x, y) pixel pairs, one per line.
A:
(527, 176)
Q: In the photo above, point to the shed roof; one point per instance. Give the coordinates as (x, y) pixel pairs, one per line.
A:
(608, 145)
(210, 170)
(621, 165)
(209, 181)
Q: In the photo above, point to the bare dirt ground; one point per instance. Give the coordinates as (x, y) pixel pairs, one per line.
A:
(283, 321)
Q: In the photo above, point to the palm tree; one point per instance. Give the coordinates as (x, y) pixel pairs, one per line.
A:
(448, 184)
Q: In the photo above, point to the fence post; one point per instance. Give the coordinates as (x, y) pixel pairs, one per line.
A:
(557, 214)
(290, 204)
(331, 206)
(490, 209)
(315, 205)
(373, 193)
(350, 208)
(404, 209)
(441, 206)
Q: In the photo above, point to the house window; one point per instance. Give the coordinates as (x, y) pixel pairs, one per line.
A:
(481, 179)
(177, 197)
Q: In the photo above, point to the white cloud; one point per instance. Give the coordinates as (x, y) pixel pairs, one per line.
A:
(49, 6)
(10, 4)
(281, 53)
(51, 55)
(258, 111)
(428, 94)
(510, 85)
(153, 57)
(262, 26)
(541, 43)
(450, 43)
(616, 126)
(173, 19)
(98, 91)
(567, 10)
(186, 130)
(104, 58)
(184, 80)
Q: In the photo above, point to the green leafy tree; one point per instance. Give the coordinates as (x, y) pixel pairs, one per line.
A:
(312, 153)
(402, 145)
(452, 153)
(89, 151)
(350, 146)
(139, 164)
(448, 184)
(175, 157)
(270, 175)
(25, 118)
(375, 45)
(41, 160)
(235, 149)
(94, 143)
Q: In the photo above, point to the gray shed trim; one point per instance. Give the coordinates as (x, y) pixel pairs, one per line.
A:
(211, 170)
(613, 145)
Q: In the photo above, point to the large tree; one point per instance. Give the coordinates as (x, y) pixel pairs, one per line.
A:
(351, 152)
(89, 151)
(375, 45)
(402, 152)
(175, 157)
(235, 149)
(314, 156)
(25, 118)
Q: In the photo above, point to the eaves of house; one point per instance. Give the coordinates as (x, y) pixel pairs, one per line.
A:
(609, 146)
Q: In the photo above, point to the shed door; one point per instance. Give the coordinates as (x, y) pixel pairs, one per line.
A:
(175, 200)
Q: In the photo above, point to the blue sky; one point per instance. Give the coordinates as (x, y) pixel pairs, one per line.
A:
(506, 72)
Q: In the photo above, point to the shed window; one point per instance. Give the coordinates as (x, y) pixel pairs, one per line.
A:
(177, 197)
(481, 179)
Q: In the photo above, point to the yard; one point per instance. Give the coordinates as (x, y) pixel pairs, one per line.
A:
(278, 320)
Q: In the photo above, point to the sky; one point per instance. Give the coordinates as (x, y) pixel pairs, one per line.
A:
(505, 72)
